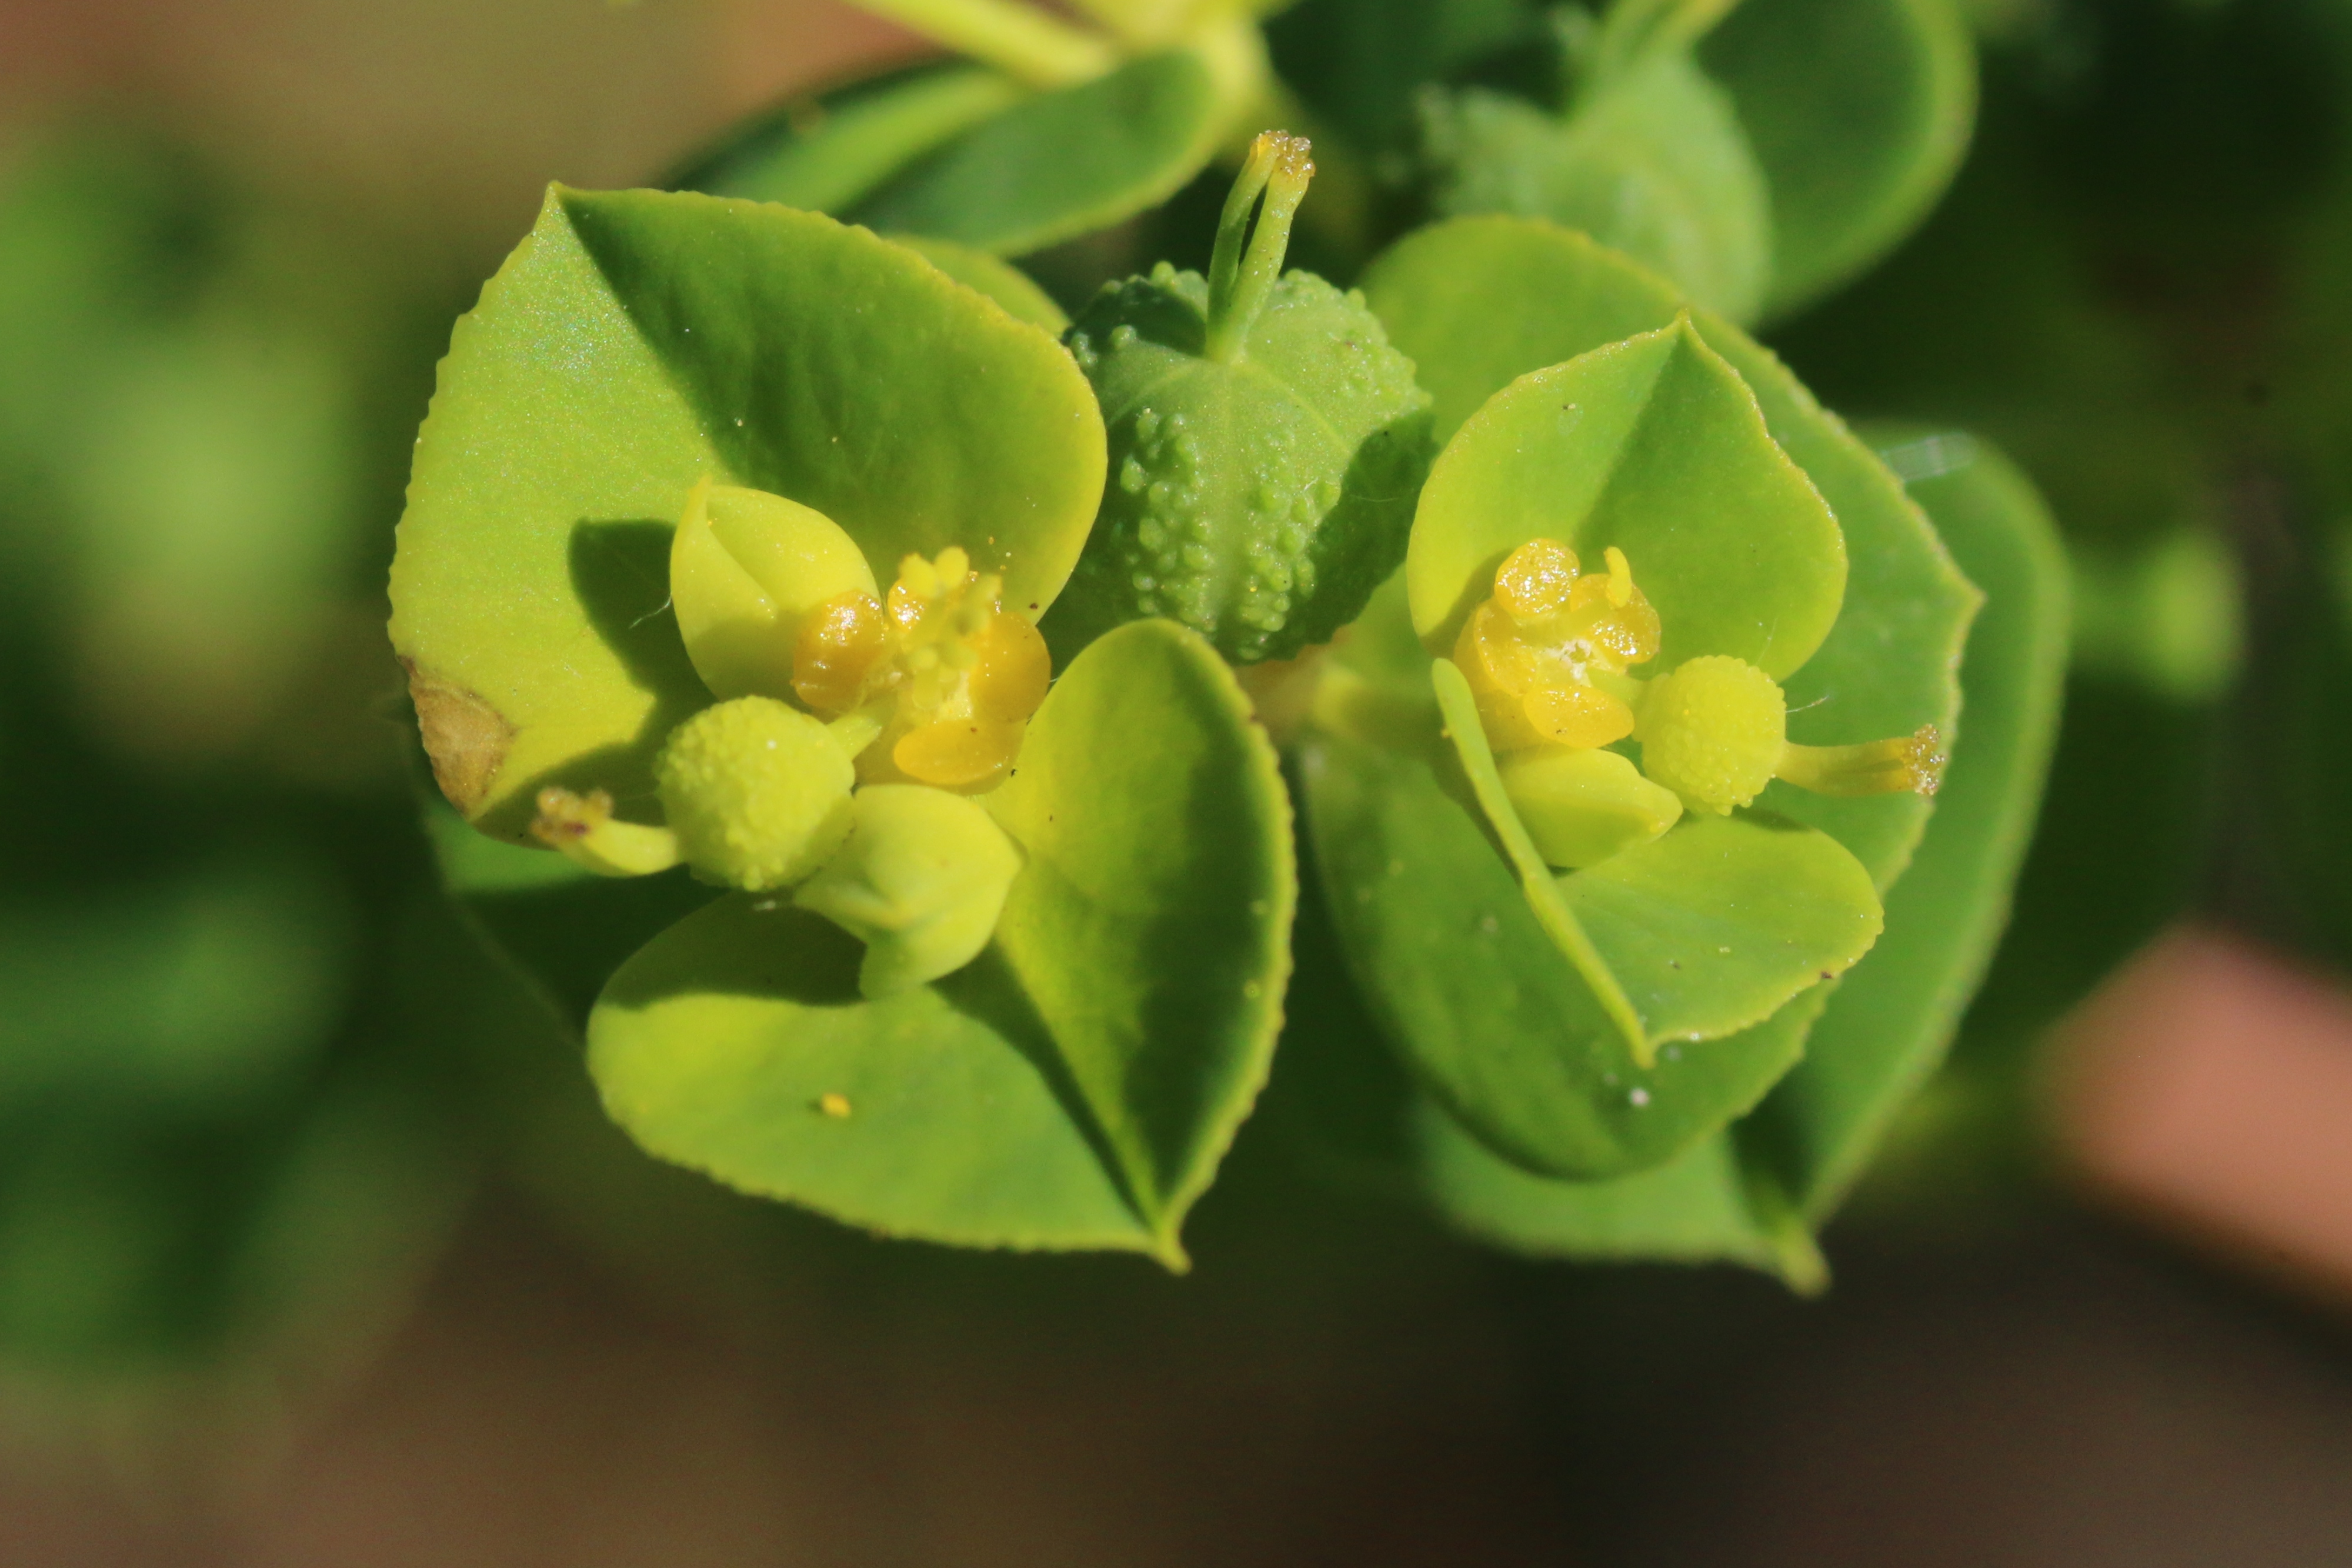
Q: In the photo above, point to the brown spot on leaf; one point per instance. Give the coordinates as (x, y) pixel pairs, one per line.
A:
(466, 738)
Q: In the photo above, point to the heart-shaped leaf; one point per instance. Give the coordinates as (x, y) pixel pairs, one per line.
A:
(1478, 302)
(1858, 111)
(1059, 164)
(1342, 1100)
(1720, 923)
(1379, 811)
(1887, 1020)
(1077, 1086)
(1653, 444)
(637, 342)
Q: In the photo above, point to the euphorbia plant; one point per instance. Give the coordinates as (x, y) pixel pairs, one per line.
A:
(1591, 1035)
(750, 550)
(824, 412)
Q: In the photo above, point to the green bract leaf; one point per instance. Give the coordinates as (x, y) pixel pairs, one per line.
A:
(1073, 1087)
(1888, 1022)
(1650, 445)
(1692, 1209)
(1653, 162)
(827, 153)
(1887, 1026)
(1479, 303)
(1486, 300)
(1062, 164)
(1690, 936)
(1356, 63)
(637, 342)
(1858, 111)
(999, 281)
(1465, 980)
(1718, 924)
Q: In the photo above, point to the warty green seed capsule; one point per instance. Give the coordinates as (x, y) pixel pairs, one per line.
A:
(1262, 430)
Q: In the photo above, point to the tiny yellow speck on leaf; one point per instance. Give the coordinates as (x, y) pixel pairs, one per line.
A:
(834, 1105)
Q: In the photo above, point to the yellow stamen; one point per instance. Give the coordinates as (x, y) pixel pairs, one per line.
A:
(1913, 762)
(950, 675)
(584, 829)
(1534, 583)
(839, 643)
(1621, 577)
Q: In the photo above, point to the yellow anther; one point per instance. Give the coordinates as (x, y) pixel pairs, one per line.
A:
(840, 643)
(918, 584)
(1534, 582)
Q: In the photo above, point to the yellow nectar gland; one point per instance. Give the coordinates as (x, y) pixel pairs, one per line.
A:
(1547, 656)
(949, 677)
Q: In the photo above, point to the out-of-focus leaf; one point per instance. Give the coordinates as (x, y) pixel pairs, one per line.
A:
(1654, 163)
(1357, 62)
(1891, 1019)
(827, 152)
(194, 994)
(1062, 164)
(1858, 113)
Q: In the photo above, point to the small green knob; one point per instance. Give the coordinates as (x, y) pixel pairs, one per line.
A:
(921, 882)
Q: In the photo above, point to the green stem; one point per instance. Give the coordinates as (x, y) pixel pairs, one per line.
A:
(1241, 282)
(583, 829)
(1017, 40)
